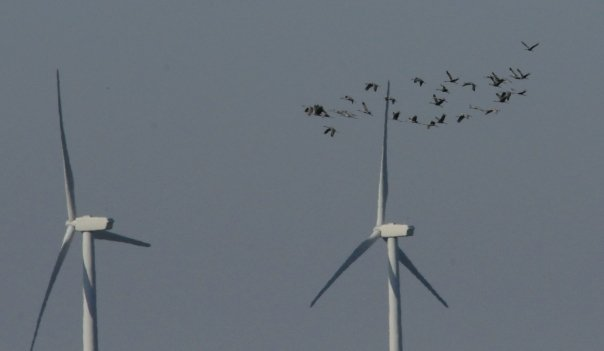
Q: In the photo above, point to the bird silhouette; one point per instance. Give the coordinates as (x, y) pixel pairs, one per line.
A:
(419, 81)
(443, 89)
(451, 79)
(396, 115)
(485, 111)
(517, 74)
(473, 85)
(309, 110)
(346, 113)
(441, 119)
(365, 108)
(462, 117)
(503, 96)
(529, 47)
(522, 75)
(514, 75)
(329, 130)
(437, 101)
(496, 80)
(371, 85)
(413, 119)
(319, 110)
(348, 98)
(521, 92)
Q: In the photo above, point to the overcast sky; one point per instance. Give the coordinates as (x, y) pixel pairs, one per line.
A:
(185, 123)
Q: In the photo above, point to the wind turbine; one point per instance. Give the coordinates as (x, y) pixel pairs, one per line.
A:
(390, 232)
(92, 228)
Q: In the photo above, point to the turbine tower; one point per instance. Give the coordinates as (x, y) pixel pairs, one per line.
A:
(92, 228)
(390, 232)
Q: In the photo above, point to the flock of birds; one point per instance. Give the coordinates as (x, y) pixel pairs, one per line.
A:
(500, 82)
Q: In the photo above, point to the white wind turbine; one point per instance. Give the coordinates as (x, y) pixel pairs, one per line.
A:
(91, 228)
(390, 232)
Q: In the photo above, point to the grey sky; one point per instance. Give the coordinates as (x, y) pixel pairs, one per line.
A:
(184, 123)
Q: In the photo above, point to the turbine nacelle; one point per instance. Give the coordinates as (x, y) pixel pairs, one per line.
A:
(393, 230)
(91, 224)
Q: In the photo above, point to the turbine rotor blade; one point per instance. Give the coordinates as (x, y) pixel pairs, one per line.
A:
(106, 235)
(405, 261)
(55, 271)
(69, 192)
(383, 183)
(366, 244)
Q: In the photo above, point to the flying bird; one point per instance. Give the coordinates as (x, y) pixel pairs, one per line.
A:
(418, 80)
(413, 119)
(443, 89)
(346, 113)
(320, 111)
(462, 117)
(348, 98)
(437, 101)
(473, 85)
(485, 111)
(391, 99)
(451, 79)
(517, 74)
(431, 124)
(441, 119)
(522, 75)
(496, 80)
(514, 75)
(329, 130)
(371, 85)
(503, 96)
(490, 110)
(529, 47)
(396, 115)
(309, 110)
(317, 110)
(365, 108)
